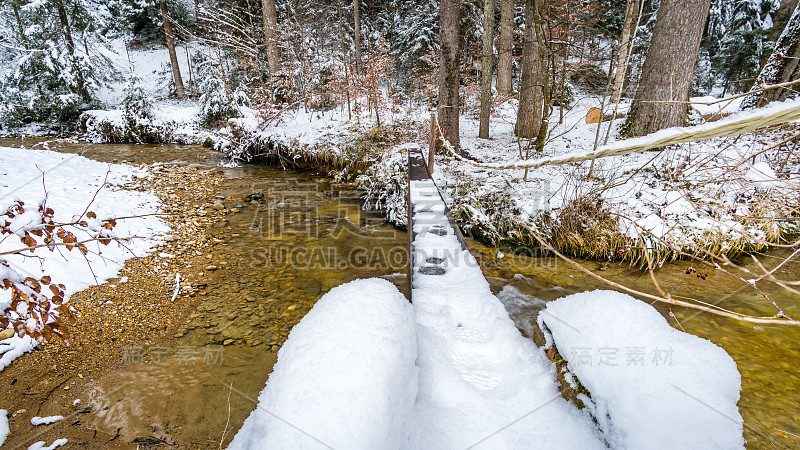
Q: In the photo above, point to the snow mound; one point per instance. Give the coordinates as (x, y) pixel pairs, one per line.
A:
(652, 386)
(45, 420)
(762, 175)
(345, 377)
(42, 445)
(13, 347)
(3, 426)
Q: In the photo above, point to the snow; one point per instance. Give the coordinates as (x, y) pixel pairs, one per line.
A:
(45, 420)
(651, 386)
(480, 382)
(762, 175)
(42, 445)
(3, 426)
(71, 183)
(14, 347)
(345, 378)
(711, 105)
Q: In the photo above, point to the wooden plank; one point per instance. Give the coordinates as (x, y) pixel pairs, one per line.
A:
(428, 203)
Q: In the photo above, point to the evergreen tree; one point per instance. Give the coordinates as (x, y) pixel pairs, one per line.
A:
(735, 39)
(54, 69)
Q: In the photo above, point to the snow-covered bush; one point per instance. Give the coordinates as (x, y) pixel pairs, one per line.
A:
(137, 104)
(217, 103)
(385, 184)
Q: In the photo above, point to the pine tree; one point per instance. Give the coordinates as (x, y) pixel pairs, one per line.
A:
(53, 69)
(734, 42)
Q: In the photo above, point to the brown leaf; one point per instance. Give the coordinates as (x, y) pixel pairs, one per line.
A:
(28, 240)
(91, 215)
(45, 279)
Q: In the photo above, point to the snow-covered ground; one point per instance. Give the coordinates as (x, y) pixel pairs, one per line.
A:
(71, 185)
(708, 194)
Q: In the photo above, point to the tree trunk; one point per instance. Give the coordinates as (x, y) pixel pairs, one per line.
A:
(449, 21)
(532, 80)
(80, 85)
(624, 45)
(271, 33)
(780, 67)
(505, 48)
(357, 32)
(20, 27)
(173, 57)
(487, 63)
(669, 67)
(782, 16)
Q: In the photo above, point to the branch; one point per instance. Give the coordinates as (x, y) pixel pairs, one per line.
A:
(731, 126)
(777, 320)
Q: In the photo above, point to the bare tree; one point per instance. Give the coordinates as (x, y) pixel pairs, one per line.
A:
(669, 67)
(449, 21)
(271, 33)
(534, 73)
(505, 48)
(780, 67)
(487, 63)
(625, 44)
(173, 57)
(357, 33)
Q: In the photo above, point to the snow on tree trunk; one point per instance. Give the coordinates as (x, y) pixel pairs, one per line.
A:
(780, 67)
(533, 79)
(669, 67)
(487, 62)
(624, 45)
(449, 18)
(505, 48)
(173, 57)
(271, 33)
(782, 16)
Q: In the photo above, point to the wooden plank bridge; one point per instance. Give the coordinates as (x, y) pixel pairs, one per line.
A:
(435, 243)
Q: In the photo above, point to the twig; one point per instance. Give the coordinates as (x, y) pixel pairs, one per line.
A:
(777, 320)
(177, 286)
(225, 431)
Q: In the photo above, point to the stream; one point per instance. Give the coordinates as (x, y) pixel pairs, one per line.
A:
(302, 235)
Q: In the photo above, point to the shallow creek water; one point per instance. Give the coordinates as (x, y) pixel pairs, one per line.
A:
(284, 250)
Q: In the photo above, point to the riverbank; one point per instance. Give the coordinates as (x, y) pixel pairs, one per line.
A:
(706, 198)
(129, 320)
